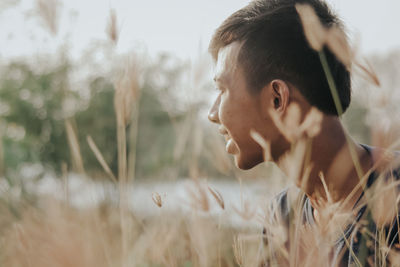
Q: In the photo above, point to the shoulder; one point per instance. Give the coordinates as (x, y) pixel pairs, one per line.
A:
(386, 165)
(281, 205)
(279, 212)
(385, 192)
(385, 161)
(277, 215)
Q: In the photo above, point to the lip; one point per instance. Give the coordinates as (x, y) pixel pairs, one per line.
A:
(230, 144)
(224, 132)
(231, 147)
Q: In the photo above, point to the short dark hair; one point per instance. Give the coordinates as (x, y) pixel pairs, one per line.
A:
(275, 47)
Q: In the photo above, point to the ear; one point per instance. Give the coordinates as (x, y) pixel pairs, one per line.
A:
(279, 95)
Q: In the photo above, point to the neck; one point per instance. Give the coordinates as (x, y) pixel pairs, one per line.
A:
(335, 155)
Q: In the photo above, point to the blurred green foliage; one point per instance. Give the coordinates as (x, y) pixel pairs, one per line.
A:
(32, 125)
(34, 107)
(155, 139)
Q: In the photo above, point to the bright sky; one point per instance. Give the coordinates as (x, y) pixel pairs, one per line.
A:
(181, 27)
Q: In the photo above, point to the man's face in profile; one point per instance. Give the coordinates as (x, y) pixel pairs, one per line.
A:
(236, 110)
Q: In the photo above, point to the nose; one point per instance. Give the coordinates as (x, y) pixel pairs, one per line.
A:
(213, 113)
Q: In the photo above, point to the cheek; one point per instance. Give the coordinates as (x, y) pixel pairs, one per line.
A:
(234, 115)
(226, 113)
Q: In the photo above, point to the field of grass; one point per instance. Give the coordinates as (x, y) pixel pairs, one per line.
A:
(96, 195)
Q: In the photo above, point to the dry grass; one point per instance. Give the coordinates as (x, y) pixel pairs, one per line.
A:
(48, 11)
(50, 232)
(76, 157)
(100, 158)
(112, 30)
(58, 235)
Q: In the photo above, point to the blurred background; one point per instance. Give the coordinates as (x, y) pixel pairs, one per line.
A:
(106, 153)
(62, 61)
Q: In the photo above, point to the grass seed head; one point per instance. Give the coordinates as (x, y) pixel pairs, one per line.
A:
(157, 199)
(289, 125)
(338, 44)
(127, 93)
(293, 127)
(266, 146)
(112, 27)
(247, 212)
(238, 250)
(314, 31)
(198, 196)
(385, 202)
(366, 71)
(48, 10)
(217, 196)
(311, 125)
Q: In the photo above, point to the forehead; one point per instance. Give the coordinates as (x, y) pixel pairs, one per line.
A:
(226, 65)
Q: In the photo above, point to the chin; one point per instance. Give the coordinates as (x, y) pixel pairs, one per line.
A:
(248, 164)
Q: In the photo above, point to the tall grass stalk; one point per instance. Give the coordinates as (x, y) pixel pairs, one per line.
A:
(2, 165)
(64, 171)
(338, 105)
(73, 143)
(122, 174)
(133, 134)
(362, 255)
(126, 101)
(100, 158)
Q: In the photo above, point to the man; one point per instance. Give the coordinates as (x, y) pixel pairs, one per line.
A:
(271, 84)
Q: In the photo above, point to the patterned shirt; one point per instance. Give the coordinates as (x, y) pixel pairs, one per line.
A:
(361, 235)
